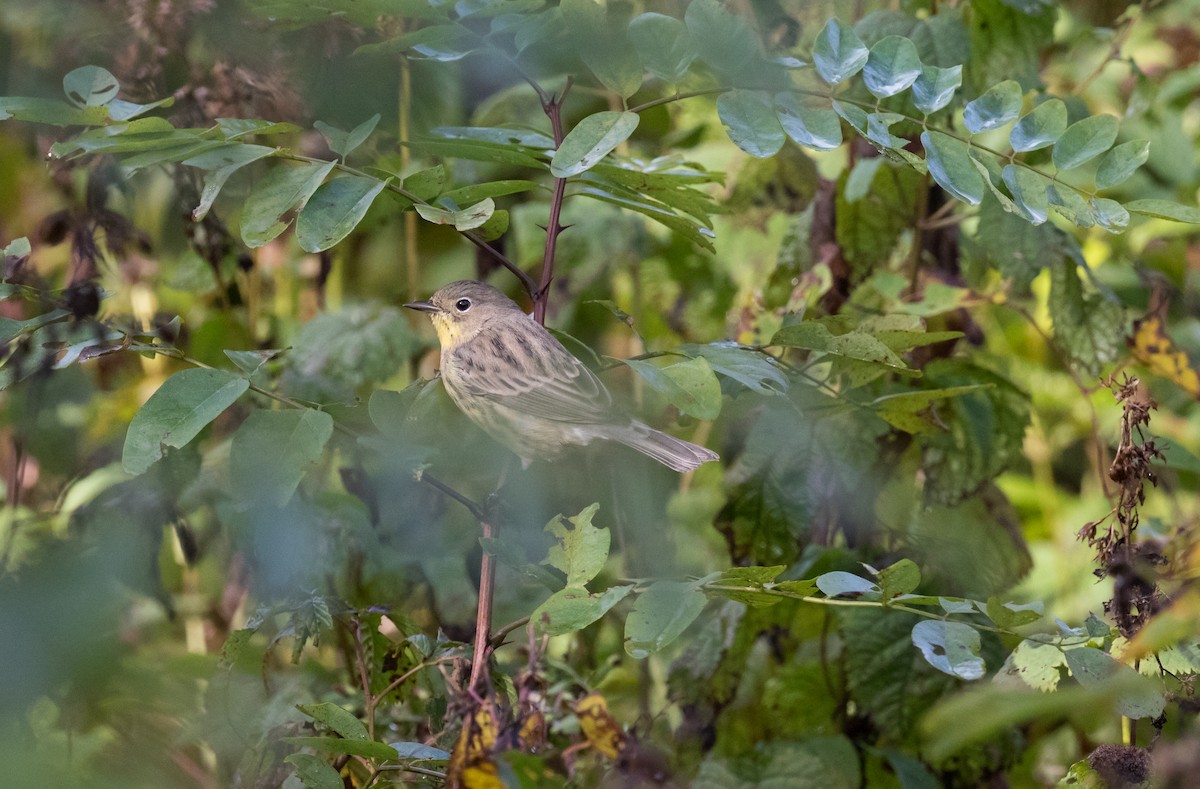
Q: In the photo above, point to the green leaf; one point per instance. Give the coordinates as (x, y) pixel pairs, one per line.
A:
(996, 107)
(898, 579)
(220, 163)
(367, 748)
(838, 53)
(272, 451)
(50, 111)
(950, 647)
(816, 336)
(852, 114)
(1009, 615)
(1091, 328)
(1092, 668)
(756, 577)
(660, 615)
(1038, 664)
(1165, 209)
(467, 219)
(416, 750)
(121, 110)
(573, 609)
(444, 43)
(1041, 127)
(1085, 140)
(278, 197)
(934, 89)
(838, 583)
(750, 122)
(600, 40)
(691, 386)
(582, 550)
(343, 142)
(592, 139)
(950, 165)
(426, 184)
(90, 86)
(826, 762)
(334, 210)
(892, 66)
(495, 226)
(878, 125)
(1121, 162)
(903, 411)
(479, 151)
(17, 248)
(1109, 214)
(751, 368)
(813, 127)
(725, 41)
(176, 413)
(664, 45)
(468, 195)
(1029, 192)
(314, 772)
(337, 719)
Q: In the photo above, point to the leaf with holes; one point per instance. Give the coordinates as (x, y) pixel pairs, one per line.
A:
(950, 647)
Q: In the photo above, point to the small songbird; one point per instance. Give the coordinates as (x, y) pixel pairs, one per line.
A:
(516, 381)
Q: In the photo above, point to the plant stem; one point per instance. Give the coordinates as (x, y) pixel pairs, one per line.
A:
(483, 614)
(553, 109)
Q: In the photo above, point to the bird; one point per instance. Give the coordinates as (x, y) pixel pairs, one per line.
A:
(516, 381)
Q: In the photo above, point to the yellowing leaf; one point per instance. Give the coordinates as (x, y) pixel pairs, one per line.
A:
(600, 728)
(1154, 348)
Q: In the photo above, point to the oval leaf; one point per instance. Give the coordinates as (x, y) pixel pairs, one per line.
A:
(1120, 163)
(90, 86)
(813, 127)
(664, 45)
(750, 123)
(177, 412)
(272, 450)
(1084, 141)
(950, 165)
(335, 209)
(996, 107)
(278, 197)
(1029, 192)
(838, 52)
(660, 615)
(590, 141)
(934, 89)
(892, 66)
(221, 163)
(1039, 128)
(1165, 209)
(950, 647)
(839, 583)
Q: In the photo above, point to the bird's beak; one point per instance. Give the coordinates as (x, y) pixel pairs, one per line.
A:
(422, 306)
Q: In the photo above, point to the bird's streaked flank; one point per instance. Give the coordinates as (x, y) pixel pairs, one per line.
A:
(516, 381)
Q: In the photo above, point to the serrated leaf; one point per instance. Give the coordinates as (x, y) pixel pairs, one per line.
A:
(813, 127)
(815, 336)
(582, 549)
(950, 647)
(1043, 126)
(691, 386)
(1084, 140)
(273, 450)
(892, 66)
(277, 199)
(997, 106)
(660, 615)
(90, 86)
(838, 53)
(934, 89)
(903, 411)
(950, 165)
(750, 122)
(591, 140)
(1091, 328)
(664, 45)
(176, 413)
(334, 210)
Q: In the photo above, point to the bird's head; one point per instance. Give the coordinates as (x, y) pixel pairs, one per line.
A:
(460, 310)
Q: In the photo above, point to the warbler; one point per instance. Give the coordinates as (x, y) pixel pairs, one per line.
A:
(512, 378)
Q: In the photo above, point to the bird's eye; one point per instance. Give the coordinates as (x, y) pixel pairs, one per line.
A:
(462, 305)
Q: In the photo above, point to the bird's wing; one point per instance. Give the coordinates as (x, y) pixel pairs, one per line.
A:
(523, 367)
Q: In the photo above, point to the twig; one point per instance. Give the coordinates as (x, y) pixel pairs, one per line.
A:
(483, 613)
(501, 634)
(553, 109)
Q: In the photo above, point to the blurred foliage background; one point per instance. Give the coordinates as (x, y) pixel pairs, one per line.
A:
(165, 609)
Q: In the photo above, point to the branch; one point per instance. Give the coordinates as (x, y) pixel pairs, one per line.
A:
(553, 110)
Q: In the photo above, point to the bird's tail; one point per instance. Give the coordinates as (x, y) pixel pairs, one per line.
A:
(670, 451)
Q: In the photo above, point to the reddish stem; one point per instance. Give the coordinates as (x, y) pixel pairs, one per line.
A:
(553, 109)
(483, 615)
